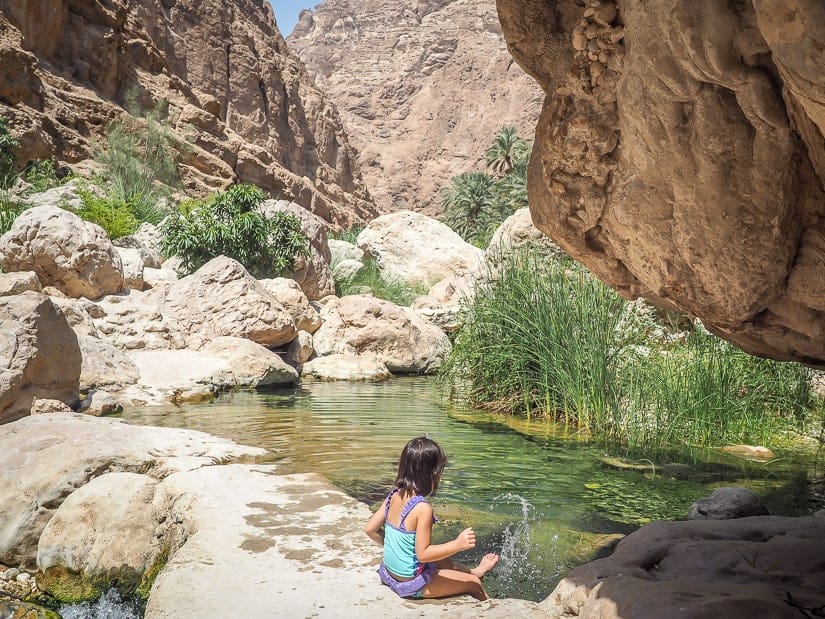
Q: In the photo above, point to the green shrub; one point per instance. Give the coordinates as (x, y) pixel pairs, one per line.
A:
(115, 217)
(230, 224)
(41, 175)
(546, 337)
(8, 148)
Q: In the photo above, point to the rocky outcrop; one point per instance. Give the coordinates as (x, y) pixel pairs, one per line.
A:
(750, 567)
(39, 355)
(401, 339)
(295, 302)
(38, 469)
(422, 87)
(221, 298)
(241, 105)
(415, 249)
(680, 156)
(73, 255)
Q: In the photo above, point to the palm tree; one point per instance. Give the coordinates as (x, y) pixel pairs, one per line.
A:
(507, 148)
(467, 203)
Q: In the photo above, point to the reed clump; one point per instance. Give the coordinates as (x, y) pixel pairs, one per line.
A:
(547, 338)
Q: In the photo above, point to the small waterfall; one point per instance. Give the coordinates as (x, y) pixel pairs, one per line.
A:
(109, 606)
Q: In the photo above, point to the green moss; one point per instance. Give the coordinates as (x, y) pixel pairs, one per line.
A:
(149, 576)
(70, 587)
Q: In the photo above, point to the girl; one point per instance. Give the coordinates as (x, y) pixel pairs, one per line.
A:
(413, 566)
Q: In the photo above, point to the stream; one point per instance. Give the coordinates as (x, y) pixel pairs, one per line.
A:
(545, 503)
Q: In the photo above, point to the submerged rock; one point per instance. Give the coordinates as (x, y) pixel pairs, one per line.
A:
(727, 503)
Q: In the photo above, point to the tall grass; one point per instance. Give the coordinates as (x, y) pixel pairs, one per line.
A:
(370, 279)
(548, 338)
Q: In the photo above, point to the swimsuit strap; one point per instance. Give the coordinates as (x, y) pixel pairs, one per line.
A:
(408, 508)
(389, 498)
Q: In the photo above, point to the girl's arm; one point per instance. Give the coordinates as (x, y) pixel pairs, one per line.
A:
(373, 527)
(428, 552)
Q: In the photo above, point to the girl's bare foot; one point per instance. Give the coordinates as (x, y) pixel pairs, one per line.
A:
(487, 563)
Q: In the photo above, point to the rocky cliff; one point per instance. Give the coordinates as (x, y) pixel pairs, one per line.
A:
(422, 86)
(680, 155)
(244, 106)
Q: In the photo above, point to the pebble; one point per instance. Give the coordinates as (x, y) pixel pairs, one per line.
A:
(23, 577)
(593, 46)
(596, 69)
(592, 31)
(579, 40)
(604, 14)
(11, 574)
(617, 34)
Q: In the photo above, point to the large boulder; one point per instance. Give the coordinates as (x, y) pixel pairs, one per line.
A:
(45, 458)
(344, 250)
(134, 320)
(222, 298)
(39, 355)
(147, 241)
(679, 156)
(400, 338)
(18, 282)
(73, 255)
(416, 249)
(747, 567)
(132, 261)
(252, 365)
(104, 532)
(104, 365)
(346, 366)
(517, 232)
(727, 503)
(290, 295)
(312, 273)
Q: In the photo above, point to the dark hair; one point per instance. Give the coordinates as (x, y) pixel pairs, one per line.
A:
(420, 467)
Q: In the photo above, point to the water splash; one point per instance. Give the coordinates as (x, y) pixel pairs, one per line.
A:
(109, 606)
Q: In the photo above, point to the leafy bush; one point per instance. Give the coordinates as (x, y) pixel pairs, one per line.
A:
(546, 337)
(41, 175)
(115, 217)
(8, 146)
(230, 224)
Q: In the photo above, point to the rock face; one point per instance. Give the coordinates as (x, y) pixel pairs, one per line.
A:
(221, 298)
(39, 355)
(243, 104)
(679, 155)
(73, 255)
(422, 86)
(723, 568)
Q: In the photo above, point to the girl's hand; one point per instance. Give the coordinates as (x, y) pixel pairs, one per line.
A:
(466, 540)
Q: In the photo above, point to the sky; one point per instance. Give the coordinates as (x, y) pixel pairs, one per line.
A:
(286, 13)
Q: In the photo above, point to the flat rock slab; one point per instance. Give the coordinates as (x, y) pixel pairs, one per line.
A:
(287, 546)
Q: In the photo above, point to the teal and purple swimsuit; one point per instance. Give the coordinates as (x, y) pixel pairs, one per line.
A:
(400, 559)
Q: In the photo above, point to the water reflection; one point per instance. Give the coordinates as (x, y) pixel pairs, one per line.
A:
(543, 503)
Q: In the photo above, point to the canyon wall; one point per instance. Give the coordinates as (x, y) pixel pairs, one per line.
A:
(243, 107)
(423, 86)
(680, 156)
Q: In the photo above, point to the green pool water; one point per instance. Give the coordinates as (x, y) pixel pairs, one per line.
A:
(544, 502)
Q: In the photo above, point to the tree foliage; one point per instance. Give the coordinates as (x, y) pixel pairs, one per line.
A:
(506, 150)
(231, 224)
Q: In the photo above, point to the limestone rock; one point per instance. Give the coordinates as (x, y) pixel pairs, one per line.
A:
(42, 407)
(132, 262)
(63, 196)
(516, 232)
(104, 532)
(78, 313)
(346, 269)
(158, 278)
(221, 298)
(708, 568)
(147, 241)
(38, 469)
(16, 283)
(252, 365)
(295, 302)
(727, 503)
(300, 349)
(66, 252)
(240, 105)
(343, 250)
(690, 172)
(417, 249)
(39, 355)
(99, 402)
(104, 365)
(346, 366)
(134, 321)
(400, 338)
(422, 87)
(312, 273)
